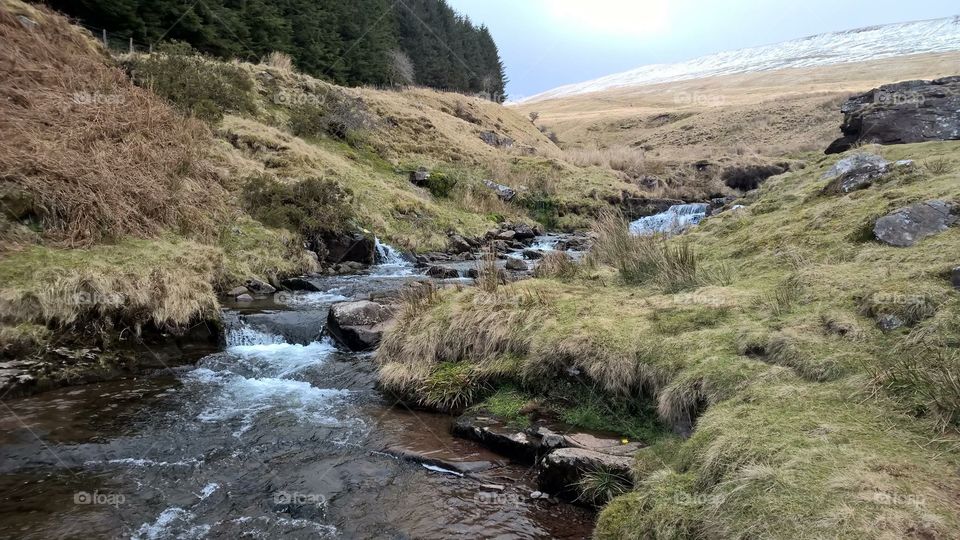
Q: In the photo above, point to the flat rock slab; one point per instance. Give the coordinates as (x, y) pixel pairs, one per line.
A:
(499, 437)
(907, 226)
(460, 467)
(559, 471)
(614, 447)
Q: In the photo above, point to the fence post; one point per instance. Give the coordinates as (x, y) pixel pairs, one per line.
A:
(131, 45)
(105, 39)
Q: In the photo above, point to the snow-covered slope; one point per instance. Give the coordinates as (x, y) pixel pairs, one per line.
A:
(936, 35)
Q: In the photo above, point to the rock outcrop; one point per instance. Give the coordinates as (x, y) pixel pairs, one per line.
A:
(907, 112)
(749, 177)
(559, 471)
(496, 140)
(505, 193)
(335, 248)
(907, 226)
(358, 326)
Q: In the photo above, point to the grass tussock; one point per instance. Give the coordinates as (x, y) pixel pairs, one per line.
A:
(557, 265)
(94, 157)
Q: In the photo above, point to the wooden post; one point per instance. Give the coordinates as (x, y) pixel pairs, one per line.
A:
(131, 45)
(105, 39)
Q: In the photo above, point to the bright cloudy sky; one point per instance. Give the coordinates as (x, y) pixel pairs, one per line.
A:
(547, 43)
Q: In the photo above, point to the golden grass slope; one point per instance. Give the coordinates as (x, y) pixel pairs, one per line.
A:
(810, 421)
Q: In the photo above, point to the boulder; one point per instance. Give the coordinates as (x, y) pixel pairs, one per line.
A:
(420, 176)
(300, 284)
(906, 112)
(524, 445)
(496, 140)
(345, 247)
(244, 298)
(506, 235)
(523, 232)
(907, 226)
(855, 172)
(442, 272)
(955, 278)
(237, 291)
(505, 193)
(517, 265)
(359, 325)
(458, 244)
(256, 286)
(532, 254)
(749, 177)
(559, 471)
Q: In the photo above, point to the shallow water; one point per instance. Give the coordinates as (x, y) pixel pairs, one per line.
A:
(279, 434)
(677, 218)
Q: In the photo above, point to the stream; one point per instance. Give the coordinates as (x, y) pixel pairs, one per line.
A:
(279, 434)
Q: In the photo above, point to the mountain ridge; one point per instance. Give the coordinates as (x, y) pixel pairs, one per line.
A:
(854, 45)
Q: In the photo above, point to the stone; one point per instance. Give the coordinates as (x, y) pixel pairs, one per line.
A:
(300, 284)
(506, 235)
(496, 140)
(517, 265)
(749, 177)
(517, 444)
(244, 298)
(237, 291)
(359, 325)
(442, 272)
(459, 467)
(907, 226)
(906, 112)
(340, 247)
(889, 323)
(532, 254)
(522, 231)
(420, 176)
(458, 244)
(506, 193)
(559, 471)
(955, 278)
(855, 172)
(256, 286)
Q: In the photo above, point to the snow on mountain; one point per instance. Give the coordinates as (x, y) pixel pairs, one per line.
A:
(871, 43)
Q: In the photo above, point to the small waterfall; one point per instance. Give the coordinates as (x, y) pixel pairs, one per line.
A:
(389, 261)
(677, 218)
(239, 333)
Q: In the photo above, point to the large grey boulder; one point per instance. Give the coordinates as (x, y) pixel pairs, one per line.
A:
(358, 326)
(907, 112)
(256, 286)
(907, 226)
(517, 265)
(855, 172)
(506, 193)
(342, 247)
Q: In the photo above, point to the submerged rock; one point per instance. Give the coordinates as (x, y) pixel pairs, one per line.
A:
(907, 112)
(358, 326)
(459, 467)
(907, 226)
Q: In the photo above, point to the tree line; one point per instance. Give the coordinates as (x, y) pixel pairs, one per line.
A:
(356, 42)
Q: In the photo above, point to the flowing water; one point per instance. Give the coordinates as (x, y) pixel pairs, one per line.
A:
(279, 434)
(676, 219)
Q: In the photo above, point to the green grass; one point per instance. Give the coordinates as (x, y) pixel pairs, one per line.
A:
(806, 420)
(506, 404)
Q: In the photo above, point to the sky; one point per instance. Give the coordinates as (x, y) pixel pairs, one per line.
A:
(549, 43)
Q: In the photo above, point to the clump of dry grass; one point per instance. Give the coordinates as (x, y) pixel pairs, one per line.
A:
(619, 158)
(278, 60)
(97, 157)
(558, 265)
(489, 277)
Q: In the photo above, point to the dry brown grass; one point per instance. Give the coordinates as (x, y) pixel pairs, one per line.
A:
(619, 158)
(97, 157)
(278, 60)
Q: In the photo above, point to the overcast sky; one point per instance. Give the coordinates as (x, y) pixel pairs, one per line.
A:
(548, 43)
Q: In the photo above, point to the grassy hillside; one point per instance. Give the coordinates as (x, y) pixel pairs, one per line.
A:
(759, 331)
(153, 181)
